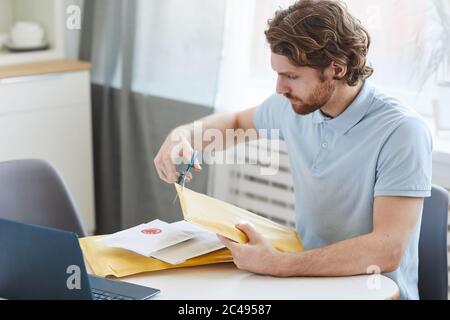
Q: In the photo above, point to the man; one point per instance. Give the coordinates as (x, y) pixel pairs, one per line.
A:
(361, 161)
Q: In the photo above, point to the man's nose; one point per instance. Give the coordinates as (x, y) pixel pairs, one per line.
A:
(282, 88)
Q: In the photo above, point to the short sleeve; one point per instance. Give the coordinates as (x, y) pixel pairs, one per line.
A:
(270, 115)
(404, 165)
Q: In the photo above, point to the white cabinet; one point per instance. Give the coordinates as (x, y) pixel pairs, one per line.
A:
(48, 116)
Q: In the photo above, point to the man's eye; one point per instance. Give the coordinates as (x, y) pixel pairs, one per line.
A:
(292, 77)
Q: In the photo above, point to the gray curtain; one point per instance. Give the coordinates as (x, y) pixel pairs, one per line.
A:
(129, 127)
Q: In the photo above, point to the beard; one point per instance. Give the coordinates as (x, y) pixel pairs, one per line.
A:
(320, 96)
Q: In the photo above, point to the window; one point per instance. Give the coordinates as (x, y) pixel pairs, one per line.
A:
(246, 77)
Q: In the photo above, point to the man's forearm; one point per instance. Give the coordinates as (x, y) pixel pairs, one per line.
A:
(356, 256)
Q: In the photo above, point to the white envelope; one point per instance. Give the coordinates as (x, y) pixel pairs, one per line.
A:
(204, 242)
(150, 237)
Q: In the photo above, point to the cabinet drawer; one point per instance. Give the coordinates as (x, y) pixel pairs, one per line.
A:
(43, 91)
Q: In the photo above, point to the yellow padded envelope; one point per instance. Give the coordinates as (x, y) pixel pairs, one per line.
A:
(221, 218)
(106, 261)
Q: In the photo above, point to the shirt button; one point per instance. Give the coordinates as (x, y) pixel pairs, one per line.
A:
(324, 145)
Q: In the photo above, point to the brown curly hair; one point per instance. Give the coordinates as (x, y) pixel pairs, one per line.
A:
(314, 33)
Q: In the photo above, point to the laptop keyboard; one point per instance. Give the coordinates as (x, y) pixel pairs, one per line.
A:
(104, 295)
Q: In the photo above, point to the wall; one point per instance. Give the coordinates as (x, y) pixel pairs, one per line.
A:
(71, 37)
(5, 15)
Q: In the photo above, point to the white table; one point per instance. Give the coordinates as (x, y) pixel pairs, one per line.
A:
(225, 282)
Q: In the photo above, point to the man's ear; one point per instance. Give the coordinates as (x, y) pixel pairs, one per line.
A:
(339, 71)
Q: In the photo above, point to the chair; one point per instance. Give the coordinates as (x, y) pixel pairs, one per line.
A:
(31, 191)
(433, 268)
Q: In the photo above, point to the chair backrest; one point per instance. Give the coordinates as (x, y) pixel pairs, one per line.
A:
(31, 191)
(433, 268)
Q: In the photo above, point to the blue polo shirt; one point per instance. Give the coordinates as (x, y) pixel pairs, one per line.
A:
(377, 147)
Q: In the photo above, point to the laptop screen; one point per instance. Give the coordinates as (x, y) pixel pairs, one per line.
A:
(41, 263)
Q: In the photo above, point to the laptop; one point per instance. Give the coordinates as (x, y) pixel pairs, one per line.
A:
(39, 263)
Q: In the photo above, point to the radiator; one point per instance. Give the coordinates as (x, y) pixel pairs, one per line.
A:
(270, 196)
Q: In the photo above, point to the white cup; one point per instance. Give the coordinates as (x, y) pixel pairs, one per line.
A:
(27, 34)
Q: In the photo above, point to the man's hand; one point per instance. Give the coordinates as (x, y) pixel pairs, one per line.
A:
(257, 256)
(177, 145)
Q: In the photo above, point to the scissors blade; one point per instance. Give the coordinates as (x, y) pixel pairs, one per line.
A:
(182, 178)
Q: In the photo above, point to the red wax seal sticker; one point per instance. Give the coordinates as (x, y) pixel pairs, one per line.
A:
(151, 231)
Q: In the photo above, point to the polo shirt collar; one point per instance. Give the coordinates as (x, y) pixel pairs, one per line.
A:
(352, 115)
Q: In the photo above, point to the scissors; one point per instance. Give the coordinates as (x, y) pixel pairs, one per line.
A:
(181, 180)
(183, 174)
